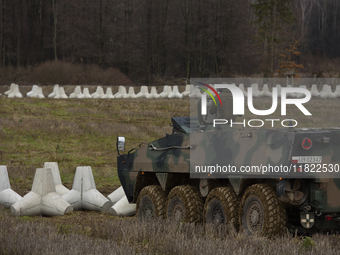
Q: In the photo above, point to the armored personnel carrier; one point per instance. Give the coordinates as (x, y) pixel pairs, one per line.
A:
(188, 176)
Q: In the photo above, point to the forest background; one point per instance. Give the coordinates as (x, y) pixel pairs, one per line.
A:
(155, 42)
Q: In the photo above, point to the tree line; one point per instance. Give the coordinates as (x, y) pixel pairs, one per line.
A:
(151, 39)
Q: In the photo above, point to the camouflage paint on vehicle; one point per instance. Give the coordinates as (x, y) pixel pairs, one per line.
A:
(170, 160)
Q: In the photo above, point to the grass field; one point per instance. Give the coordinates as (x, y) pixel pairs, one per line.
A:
(83, 132)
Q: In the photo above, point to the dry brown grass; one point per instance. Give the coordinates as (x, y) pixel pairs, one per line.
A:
(83, 132)
(104, 235)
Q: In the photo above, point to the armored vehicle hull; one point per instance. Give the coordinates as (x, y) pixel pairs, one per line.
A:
(196, 176)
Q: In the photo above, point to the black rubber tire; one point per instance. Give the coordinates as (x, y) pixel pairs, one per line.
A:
(185, 204)
(151, 203)
(261, 211)
(222, 207)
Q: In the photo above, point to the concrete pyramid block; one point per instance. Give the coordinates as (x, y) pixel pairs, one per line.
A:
(278, 86)
(40, 93)
(255, 90)
(77, 93)
(123, 208)
(102, 95)
(265, 91)
(109, 93)
(337, 91)
(42, 199)
(131, 93)
(118, 92)
(33, 92)
(241, 87)
(186, 92)
(290, 94)
(327, 92)
(86, 93)
(7, 196)
(84, 194)
(121, 92)
(99, 93)
(55, 91)
(60, 189)
(195, 92)
(165, 92)
(15, 93)
(175, 93)
(36, 92)
(61, 94)
(301, 95)
(116, 195)
(314, 91)
(10, 89)
(153, 93)
(143, 92)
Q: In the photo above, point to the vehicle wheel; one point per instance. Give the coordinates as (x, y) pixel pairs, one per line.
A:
(222, 207)
(185, 204)
(261, 211)
(151, 203)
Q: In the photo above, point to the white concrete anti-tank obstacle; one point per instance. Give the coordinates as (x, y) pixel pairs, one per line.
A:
(327, 92)
(84, 194)
(109, 93)
(314, 91)
(104, 96)
(86, 93)
(337, 91)
(42, 199)
(265, 91)
(99, 93)
(143, 92)
(116, 195)
(77, 93)
(61, 94)
(131, 93)
(40, 93)
(55, 91)
(15, 93)
(33, 92)
(186, 92)
(36, 92)
(8, 197)
(153, 93)
(59, 187)
(195, 93)
(255, 90)
(278, 86)
(118, 92)
(290, 94)
(123, 208)
(241, 87)
(301, 95)
(121, 92)
(11, 88)
(175, 93)
(165, 92)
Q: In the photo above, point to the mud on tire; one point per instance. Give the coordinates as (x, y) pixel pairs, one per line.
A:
(261, 212)
(185, 204)
(151, 203)
(222, 207)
